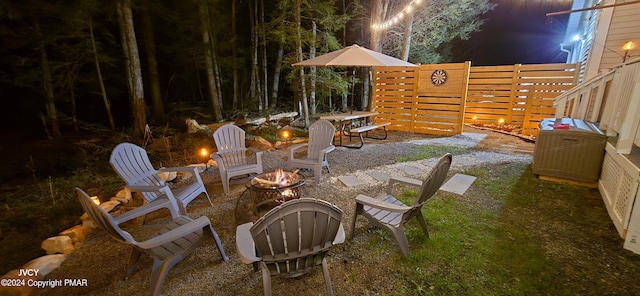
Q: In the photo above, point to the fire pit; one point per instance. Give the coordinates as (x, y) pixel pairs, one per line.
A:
(275, 187)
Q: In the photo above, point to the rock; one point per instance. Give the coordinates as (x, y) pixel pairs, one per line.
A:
(281, 144)
(77, 233)
(89, 223)
(193, 126)
(46, 264)
(122, 200)
(109, 205)
(124, 194)
(58, 245)
(212, 163)
(168, 176)
(77, 245)
(262, 144)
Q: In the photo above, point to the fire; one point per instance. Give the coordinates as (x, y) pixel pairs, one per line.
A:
(287, 193)
(280, 177)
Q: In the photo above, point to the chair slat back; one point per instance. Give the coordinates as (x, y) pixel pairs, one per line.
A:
(321, 135)
(294, 236)
(230, 142)
(102, 218)
(132, 164)
(434, 181)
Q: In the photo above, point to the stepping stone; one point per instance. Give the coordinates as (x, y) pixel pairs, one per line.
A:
(380, 176)
(350, 181)
(458, 184)
(409, 170)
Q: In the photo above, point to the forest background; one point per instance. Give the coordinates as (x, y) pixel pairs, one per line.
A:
(123, 64)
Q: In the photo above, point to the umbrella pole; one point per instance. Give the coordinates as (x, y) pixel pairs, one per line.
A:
(353, 84)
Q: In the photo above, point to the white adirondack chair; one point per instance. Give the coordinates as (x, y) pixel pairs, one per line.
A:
(291, 239)
(231, 156)
(132, 164)
(390, 214)
(175, 241)
(320, 144)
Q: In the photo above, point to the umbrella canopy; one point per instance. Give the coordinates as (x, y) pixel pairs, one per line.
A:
(354, 56)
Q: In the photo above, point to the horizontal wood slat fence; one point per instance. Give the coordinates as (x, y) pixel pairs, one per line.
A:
(424, 100)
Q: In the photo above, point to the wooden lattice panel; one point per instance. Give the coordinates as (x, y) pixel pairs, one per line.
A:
(618, 185)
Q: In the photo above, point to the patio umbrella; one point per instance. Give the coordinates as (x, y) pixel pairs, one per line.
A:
(355, 56)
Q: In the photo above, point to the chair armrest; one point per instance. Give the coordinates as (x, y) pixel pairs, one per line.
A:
(402, 180)
(340, 236)
(147, 188)
(162, 189)
(259, 159)
(292, 149)
(191, 169)
(245, 245)
(180, 231)
(255, 151)
(215, 156)
(323, 152)
(380, 204)
(154, 205)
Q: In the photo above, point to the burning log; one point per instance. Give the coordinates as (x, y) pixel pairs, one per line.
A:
(266, 182)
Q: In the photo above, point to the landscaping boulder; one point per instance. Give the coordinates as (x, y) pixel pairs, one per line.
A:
(46, 264)
(77, 233)
(61, 244)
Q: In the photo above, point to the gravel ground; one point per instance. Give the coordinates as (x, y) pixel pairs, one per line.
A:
(102, 261)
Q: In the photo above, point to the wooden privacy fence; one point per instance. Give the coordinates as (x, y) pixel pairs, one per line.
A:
(438, 99)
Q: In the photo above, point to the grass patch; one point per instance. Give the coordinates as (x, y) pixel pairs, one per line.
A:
(431, 151)
(50, 204)
(510, 234)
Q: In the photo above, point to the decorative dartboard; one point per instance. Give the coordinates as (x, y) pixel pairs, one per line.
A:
(439, 77)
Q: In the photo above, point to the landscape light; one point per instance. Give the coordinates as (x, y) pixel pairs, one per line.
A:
(204, 152)
(629, 45)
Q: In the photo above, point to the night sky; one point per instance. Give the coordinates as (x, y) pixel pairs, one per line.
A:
(518, 32)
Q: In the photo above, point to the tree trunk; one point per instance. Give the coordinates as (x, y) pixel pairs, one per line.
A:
(303, 91)
(255, 72)
(208, 56)
(132, 66)
(157, 114)
(234, 49)
(378, 11)
(312, 54)
(52, 122)
(365, 89)
(263, 35)
(276, 77)
(103, 90)
(216, 65)
(406, 38)
(344, 104)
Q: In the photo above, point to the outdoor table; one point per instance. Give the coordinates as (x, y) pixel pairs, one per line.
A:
(347, 119)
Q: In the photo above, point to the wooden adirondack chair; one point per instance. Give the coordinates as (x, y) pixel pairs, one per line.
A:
(132, 164)
(391, 214)
(231, 156)
(291, 239)
(321, 135)
(174, 242)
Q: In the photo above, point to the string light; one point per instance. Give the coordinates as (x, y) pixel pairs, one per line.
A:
(399, 16)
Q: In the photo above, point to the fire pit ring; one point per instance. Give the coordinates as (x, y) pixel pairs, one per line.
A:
(275, 187)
